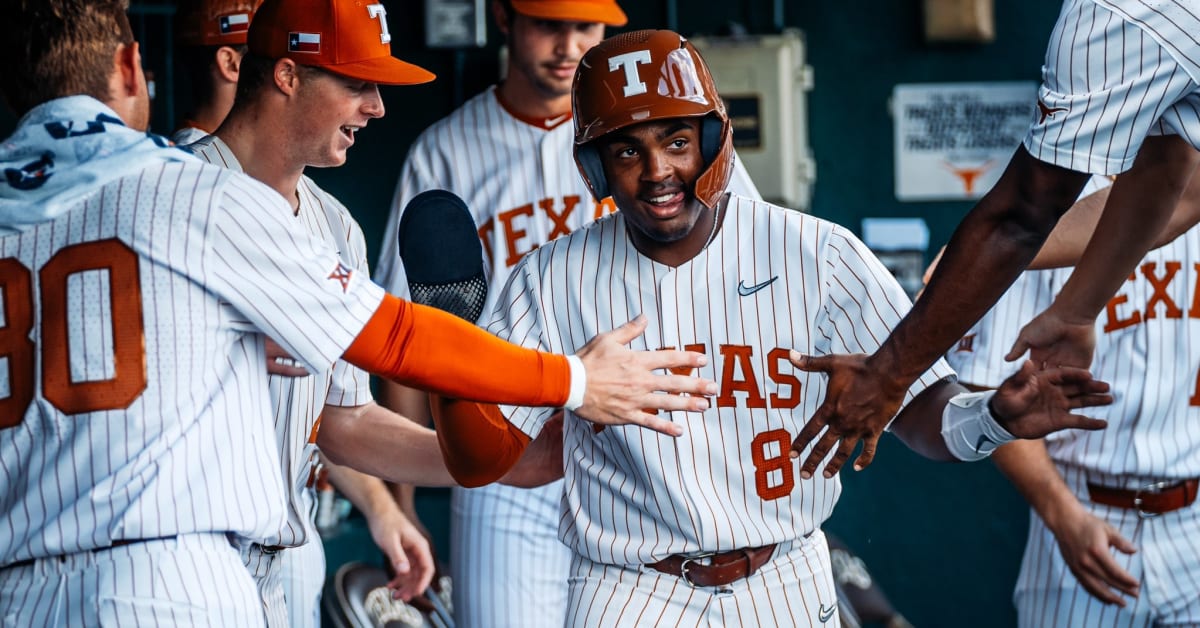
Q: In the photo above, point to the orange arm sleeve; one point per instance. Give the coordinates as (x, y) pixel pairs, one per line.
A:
(426, 348)
(478, 444)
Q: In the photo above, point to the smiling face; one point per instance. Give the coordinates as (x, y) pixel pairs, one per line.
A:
(330, 109)
(544, 53)
(651, 169)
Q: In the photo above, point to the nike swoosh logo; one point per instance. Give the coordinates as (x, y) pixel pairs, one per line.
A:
(554, 121)
(983, 440)
(746, 291)
(826, 613)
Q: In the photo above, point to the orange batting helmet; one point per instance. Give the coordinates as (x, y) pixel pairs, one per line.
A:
(642, 76)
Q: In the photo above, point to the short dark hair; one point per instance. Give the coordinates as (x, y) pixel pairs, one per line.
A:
(56, 48)
(254, 72)
(257, 71)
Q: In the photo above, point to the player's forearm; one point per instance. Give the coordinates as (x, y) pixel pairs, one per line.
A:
(478, 444)
(1066, 243)
(423, 347)
(991, 246)
(919, 424)
(381, 443)
(412, 404)
(368, 494)
(1138, 211)
(1028, 466)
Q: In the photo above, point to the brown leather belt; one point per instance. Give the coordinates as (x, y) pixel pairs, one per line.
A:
(117, 543)
(722, 569)
(1149, 501)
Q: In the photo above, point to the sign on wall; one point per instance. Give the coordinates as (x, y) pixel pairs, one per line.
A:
(954, 139)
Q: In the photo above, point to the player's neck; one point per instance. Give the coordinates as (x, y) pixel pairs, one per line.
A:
(526, 101)
(684, 250)
(208, 117)
(258, 152)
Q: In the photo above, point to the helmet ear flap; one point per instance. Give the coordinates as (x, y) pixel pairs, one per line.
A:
(711, 137)
(710, 186)
(588, 160)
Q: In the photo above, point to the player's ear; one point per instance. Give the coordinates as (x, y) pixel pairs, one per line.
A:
(286, 77)
(126, 81)
(500, 14)
(228, 61)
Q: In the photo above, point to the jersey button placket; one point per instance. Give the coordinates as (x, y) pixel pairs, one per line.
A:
(671, 311)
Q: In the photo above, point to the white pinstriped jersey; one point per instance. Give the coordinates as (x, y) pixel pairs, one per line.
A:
(173, 267)
(1117, 71)
(297, 401)
(1144, 348)
(634, 496)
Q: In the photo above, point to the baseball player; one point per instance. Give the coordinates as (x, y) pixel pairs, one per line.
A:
(211, 37)
(1120, 93)
(713, 528)
(136, 284)
(340, 392)
(1113, 512)
(507, 153)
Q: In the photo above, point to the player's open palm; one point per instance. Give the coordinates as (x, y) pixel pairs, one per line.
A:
(1085, 541)
(624, 386)
(1033, 403)
(857, 407)
(1053, 339)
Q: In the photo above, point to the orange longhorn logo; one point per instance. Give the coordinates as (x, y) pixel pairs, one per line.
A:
(969, 175)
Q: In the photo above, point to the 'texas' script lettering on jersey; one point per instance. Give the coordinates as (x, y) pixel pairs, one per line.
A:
(741, 383)
(561, 214)
(1121, 312)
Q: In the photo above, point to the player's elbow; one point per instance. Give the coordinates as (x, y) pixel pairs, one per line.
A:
(476, 467)
(467, 477)
(1028, 200)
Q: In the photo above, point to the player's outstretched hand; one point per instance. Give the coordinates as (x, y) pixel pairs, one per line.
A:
(407, 551)
(542, 461)
(1053, 339)
(280, 362)
(859, 402)
(1084, 540)
(1033, 403)
(622, 384)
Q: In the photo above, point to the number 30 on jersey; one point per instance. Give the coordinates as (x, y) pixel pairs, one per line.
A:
(19, 351)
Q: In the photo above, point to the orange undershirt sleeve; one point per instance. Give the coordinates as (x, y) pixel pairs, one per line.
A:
(426, 348)
(478, 444)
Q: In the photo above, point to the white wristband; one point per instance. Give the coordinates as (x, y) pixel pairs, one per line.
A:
(969, 429)
(578, 383)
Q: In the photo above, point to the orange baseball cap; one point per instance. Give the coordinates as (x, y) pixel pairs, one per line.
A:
(603, 11)
(214, 22)
(347, 37)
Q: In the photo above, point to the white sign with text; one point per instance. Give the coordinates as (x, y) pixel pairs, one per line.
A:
(954, 139)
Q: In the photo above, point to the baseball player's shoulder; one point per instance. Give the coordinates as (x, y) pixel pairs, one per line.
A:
(469, 118)
(557, 250)
(327, 200)
(812, 233)
(340, 217)
(210, 148)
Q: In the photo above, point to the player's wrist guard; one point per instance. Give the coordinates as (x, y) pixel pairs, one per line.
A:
(970, 429)
(578, 383)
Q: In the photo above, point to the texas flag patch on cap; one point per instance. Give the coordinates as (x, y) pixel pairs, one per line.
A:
(235, 23)
(304, 42)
